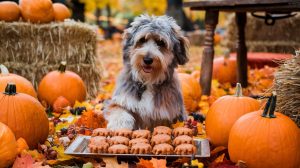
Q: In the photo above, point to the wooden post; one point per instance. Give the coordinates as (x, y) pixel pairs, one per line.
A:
(242, 65)
(211, 20)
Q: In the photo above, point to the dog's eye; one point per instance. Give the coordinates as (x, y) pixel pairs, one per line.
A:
(142, 40)
(160, 43)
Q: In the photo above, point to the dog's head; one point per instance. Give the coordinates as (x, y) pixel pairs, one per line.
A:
(153, 47)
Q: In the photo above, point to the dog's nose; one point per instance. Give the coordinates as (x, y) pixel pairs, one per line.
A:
(148, 61)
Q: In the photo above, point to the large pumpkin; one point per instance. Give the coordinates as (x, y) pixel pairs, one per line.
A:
(224, 69)
(265, 139)
(8, 146)
(191, 92)
(23, 85)
(37, 11)
(224, 112)
(24, 115)
(61, 12)
(9, 11)
(61, 83)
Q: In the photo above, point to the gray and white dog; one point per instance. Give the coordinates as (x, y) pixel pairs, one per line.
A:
(148, 91)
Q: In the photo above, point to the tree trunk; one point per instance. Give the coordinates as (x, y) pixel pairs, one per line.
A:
(175, 10)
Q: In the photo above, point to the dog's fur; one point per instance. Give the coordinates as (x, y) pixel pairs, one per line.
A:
(149, 95)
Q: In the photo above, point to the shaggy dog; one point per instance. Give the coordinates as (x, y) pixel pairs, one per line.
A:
(148, 91)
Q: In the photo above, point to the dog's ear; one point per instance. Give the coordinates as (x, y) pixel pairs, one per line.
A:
(180, 50)
(127, 42)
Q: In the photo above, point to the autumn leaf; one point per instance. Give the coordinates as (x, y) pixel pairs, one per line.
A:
(159, 163)
(34, 154)
(145, 164)
(112, 162)
(61, 156)
(220, 158)
(91, 119)
(23, 161)
(39, 165)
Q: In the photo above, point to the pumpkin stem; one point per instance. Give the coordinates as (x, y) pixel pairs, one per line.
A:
(273, 106)
(62, 66)
(267, 107)
(4, 70)
(238, 90)
(10, 89)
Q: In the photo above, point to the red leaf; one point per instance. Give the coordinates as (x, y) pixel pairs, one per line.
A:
(24, 161)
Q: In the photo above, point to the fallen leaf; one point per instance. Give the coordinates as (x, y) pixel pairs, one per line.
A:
(61, 156)
(40, 165)
(220, 158)
(112, 162)
(159, 163)
(218, 150)
(145, 164)
(23, 161)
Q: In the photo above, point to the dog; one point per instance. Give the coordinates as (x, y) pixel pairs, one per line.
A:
(148, 91)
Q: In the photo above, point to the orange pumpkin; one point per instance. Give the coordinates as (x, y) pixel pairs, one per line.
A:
(9, 11)
(61, 83)
(37, 11)
(224, 112)
(23, 85)
(191, 92)
(21, 145)
(60, 103)
(8, 146)
(24, 115)
(224, 69)
(61, 12)
(265, 138)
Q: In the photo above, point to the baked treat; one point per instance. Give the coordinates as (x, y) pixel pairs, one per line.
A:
(182, 131)
(118, 149)
(101, 132)
(160, 138)
(98, 144)
(141, 148)
(163, 149)
(183, 139)
(141, 134)
(185, 149)
(118, 140)
(123, 132)
(138, 140)
(162, 130)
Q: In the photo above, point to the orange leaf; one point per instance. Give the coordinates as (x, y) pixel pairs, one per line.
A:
(91, 119)
(220, 158)
(217, 150)
(159, 163)
(145, 164)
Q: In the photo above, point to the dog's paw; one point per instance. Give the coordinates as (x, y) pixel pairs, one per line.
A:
(120, 119)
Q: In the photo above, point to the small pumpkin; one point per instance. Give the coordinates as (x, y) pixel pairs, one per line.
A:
(61, 83)
(9, 11)
(37, 11)
(224, 112)
(21, 145)
(8, 146)
(61, 12)
(60, 103)
(23, 85)
(265, 138)
(24, 115)
(191, 92)
(224, 69)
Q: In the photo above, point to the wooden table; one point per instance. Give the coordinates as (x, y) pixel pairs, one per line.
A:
(240, 7)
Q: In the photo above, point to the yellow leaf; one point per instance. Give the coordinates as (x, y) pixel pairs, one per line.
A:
(85, 104)
(60, 153)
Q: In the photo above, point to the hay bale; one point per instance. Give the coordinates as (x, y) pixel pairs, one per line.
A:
(287, 86)
(279, 38)
(32, 50)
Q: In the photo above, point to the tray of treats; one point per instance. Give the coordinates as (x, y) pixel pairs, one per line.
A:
(162, 142)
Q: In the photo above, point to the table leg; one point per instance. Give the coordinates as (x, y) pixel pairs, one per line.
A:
(211, 20)
(242, 75)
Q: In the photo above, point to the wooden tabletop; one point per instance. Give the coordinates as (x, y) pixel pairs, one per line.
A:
(245, 5)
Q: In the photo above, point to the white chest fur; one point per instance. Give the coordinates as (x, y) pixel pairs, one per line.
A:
(145, 107)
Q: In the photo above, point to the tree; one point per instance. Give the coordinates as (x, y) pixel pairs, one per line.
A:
(175, 9)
